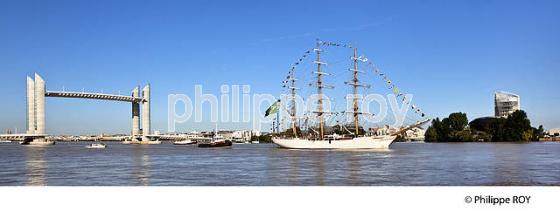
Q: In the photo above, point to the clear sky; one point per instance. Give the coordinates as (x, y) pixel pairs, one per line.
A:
(452, 55)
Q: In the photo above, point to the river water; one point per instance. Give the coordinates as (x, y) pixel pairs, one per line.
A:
(69, 164)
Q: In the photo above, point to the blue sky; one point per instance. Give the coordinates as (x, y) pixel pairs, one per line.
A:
(452, 55)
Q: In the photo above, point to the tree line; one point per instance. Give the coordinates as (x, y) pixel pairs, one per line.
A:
(456, 128)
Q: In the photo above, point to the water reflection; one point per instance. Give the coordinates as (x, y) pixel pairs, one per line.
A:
(294, 169)
(508, 162)
(354, 164)
(314, 167)
(141, 164)
(319, 162)
(35, 165)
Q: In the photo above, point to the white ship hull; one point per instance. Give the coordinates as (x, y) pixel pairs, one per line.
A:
(374, 142)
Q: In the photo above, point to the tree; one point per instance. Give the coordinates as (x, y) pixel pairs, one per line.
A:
(444, 130)
(497, 129)
(538, 133)
(482, 124)
(458, 121)
(464, 135)
(431, 134)
(452, 128)
(518, 127)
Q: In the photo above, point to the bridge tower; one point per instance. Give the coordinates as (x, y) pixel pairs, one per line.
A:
(35, 105)
(146, 127)
(135, 114)
(39, 104)
(30, 106)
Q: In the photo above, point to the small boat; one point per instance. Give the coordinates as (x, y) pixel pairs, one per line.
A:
(96, 146)
(184, 142)
(216, 141)
(5, 141)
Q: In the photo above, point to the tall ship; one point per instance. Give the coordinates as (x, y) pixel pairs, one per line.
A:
(348, 135)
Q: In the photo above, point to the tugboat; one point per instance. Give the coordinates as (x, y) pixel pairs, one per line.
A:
(216, 141)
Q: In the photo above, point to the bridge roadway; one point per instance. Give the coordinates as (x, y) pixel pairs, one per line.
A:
(20, 137)
(24, 136)
(97, 96)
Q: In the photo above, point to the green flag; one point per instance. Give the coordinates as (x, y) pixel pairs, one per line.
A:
(273, 108)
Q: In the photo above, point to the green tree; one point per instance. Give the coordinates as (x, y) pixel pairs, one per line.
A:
(516, 127)
(497, 130)
(538, 133)
(462, 136)
(450, 129)
(458, 121)
(431, 134)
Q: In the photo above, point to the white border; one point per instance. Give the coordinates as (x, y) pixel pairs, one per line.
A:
(269, 198)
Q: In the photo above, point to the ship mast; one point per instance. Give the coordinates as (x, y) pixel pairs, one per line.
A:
(293, 108)
(354, 83)
(320, 90)
(355, 88)
(320, 87)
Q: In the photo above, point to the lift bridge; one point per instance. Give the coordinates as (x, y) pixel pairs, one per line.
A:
(36, 94)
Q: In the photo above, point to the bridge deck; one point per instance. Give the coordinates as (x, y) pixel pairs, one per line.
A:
(20, 136)
(98, 96)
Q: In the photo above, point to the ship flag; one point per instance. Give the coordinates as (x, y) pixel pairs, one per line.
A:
(273, 109)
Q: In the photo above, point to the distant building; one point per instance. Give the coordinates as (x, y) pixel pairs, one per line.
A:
(415, 134)
(379, 131)
(505, 104)
(554, 132)
(240, 135)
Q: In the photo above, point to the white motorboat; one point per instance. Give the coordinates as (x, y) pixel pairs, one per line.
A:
(184, 142)
(5, 141)
(96, 146)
